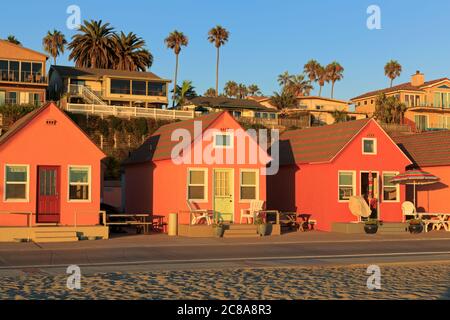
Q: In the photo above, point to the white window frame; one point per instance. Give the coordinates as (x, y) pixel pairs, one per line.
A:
(353, 172)
(89, 183)
(375, 147)
(27, 188)
(397, 186)
(230, 134)
(205, 185)
(256, 171)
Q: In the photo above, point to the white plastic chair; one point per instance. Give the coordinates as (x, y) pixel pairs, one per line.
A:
(252, 212)
(199, 214)
(408, 209)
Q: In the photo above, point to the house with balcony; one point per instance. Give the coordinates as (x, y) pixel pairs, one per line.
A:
(78, 87)
(22, 75)
(427, 102)
(320, 109)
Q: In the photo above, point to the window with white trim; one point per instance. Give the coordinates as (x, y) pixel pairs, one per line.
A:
(346, 185)
(16, 182)
(197, 184)
(79, 183)
(369, 146)
(249, 185)
(390, 190)
(223, 140)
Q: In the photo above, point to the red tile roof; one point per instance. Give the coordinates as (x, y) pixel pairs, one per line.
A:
(318, 144)
(404, 86)
(159, 145)
(426, 149)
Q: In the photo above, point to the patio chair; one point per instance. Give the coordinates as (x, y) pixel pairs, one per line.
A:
(252, 212)
(199, 214)
(435, 224)
(408, 209)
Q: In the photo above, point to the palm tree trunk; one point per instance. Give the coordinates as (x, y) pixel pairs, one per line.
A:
(54, 60)
(332, 89)
(175, 81)
(320, 91)
(217, 72)
(392, 80)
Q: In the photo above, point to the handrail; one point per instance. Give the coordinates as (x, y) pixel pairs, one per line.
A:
(86, 93)
(27, 213)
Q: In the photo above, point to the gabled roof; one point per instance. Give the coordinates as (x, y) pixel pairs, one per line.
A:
(23, 48)
(159, 145)
(65, 71)
(25, 120)
(426, 149)
(407, 86)
(321, 98)
(318, 144)
(228, 103)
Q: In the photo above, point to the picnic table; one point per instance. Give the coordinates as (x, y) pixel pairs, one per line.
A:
(441, 220)
(143, 221)
(292, 220)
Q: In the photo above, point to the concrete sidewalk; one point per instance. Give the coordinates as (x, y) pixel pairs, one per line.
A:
(162, 240)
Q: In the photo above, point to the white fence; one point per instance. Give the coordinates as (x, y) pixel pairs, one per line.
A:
(129, 112)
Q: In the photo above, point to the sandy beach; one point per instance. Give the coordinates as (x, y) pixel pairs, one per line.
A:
(405, 281)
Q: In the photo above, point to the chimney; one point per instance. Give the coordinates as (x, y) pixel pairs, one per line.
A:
(417, 79)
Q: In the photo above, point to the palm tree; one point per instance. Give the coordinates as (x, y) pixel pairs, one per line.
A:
(93, 45)
(218, 36)
(130, 53)
(186, 91)
(175, 41)
(299, 86)
(335, 72)
(283, 100)
(392, 70)
(54, 43)
(322, 77)
(13, 40)
(340, 116)
(284, 79)
(253, 90)
(311, 69)
(242, 91)
(211, 92)
(231, 89)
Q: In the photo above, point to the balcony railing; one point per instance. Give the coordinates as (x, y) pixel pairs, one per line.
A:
(23, 77)
(11, 102)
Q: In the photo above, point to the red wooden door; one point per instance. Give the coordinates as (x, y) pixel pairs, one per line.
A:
(48, 206)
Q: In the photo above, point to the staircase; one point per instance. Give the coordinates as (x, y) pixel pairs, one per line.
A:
(42, 236)
(241, 231)
(392, 228)
(86, 93)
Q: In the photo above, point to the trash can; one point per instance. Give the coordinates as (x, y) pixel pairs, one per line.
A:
(173, 224)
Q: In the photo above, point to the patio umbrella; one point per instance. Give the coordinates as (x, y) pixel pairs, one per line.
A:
(415, 177)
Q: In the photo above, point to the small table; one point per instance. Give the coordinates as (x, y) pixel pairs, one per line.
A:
(441, 221)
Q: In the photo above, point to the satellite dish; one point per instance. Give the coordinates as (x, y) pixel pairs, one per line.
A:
(359, 207)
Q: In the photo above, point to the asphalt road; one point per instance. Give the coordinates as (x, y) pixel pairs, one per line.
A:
(239, 254)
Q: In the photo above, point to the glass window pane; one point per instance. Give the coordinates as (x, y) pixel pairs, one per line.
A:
(156, 89)
(197, 177)
(345, 193)
(248, 193)
(223, 140)
(346, 178)
(369, 146)
(139, 88)
(78, 175)
(387, 179)
(196, 192)
(79, 192)
(16, 174)
(390, 193)
(249, 178)
(15, 191)
(120, 86)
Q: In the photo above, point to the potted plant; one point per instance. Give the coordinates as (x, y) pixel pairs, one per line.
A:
(219, 229)
(415, 226)
(371, 226)
(263, 228)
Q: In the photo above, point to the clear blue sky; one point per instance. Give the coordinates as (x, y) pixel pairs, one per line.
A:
(267, 36)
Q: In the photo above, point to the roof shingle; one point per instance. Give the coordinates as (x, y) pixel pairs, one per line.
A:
(317, 144)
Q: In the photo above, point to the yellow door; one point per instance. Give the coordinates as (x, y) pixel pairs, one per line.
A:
(224, 194)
